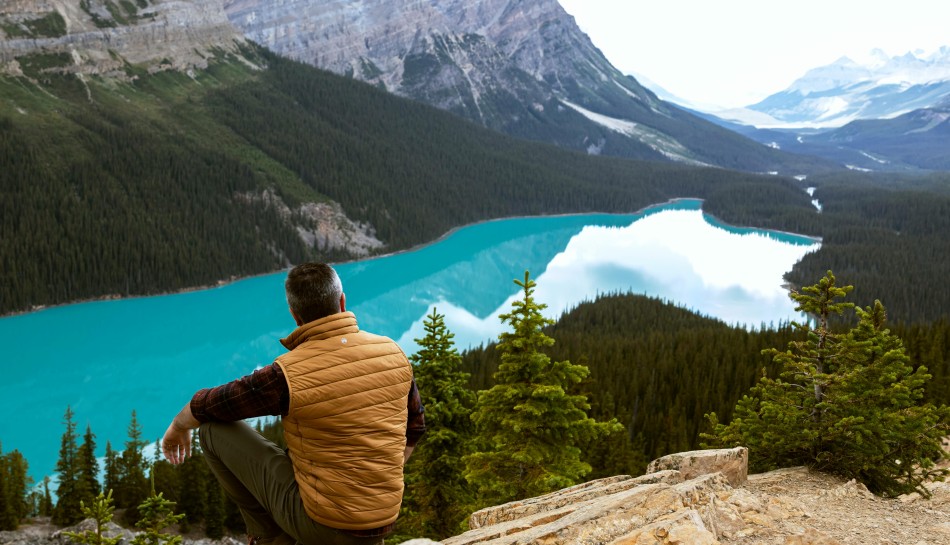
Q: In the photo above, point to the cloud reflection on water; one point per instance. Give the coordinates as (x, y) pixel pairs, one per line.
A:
(676, 256)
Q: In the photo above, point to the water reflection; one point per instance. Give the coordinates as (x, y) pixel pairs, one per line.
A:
(681, 256)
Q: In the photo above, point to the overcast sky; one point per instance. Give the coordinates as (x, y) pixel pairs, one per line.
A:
(731, 53)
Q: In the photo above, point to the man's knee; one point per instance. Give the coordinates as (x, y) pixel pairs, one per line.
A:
(207, 431)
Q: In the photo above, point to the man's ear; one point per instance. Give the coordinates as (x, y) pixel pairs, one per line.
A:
(296, 319)
(342, 302)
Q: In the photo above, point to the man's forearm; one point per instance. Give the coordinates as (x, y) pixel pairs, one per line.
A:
(184, 420)
(176, 443)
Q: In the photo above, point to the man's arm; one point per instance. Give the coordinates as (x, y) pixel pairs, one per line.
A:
(176, 443)
(263, 392)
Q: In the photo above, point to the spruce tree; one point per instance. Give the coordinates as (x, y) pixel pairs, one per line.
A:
(438, 497)
(100, 510)
(68, 509)
(133, 485)
(157, 515)
(112, 469)
(46, 502)
(214, 510)
(530, 424)
(88, 466)
(193, 477)
(18, 484)
(849, 403)
(8, 518)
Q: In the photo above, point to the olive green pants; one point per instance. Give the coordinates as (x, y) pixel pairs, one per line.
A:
(259, 477)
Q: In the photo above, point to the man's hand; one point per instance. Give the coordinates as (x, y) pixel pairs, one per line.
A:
(176, 443)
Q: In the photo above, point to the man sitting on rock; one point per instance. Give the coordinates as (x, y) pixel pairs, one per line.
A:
(351, 415)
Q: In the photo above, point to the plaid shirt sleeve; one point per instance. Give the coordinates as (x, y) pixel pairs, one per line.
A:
(416, 426)
(263, 392)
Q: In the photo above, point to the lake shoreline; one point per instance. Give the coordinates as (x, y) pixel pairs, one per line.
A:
(235, 278)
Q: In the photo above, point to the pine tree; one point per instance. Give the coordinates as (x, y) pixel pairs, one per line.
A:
(46, 503)
(88, 466)
(157, 514)
(18, 484)
(112, 470)
(68, 509)
(100, 510)
(8, 518)
(438, 497)
(133, 485)
(214, 512)
(193, 477)
(848, 403)
(529, 424)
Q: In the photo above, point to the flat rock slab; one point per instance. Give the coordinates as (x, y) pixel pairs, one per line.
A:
(732, 463)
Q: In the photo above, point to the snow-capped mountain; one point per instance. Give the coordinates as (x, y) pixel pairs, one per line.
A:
(831, 96)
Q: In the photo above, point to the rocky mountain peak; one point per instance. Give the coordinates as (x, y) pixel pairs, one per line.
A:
(522, 67)
(102, 36)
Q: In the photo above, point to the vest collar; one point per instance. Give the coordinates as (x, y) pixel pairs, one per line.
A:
(324, 328)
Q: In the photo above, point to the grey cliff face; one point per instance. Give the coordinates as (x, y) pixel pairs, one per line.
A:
(503, 63)
(101, 36)
(474, 41)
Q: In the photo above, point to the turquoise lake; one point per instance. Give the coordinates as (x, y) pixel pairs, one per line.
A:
(105, 359)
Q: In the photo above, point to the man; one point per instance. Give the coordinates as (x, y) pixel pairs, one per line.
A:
(351, 415)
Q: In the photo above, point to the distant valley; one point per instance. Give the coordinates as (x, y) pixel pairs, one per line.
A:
(889, 115)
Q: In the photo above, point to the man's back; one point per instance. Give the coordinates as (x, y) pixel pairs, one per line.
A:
(346, 424)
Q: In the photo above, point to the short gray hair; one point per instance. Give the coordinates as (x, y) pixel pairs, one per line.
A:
(313, 291)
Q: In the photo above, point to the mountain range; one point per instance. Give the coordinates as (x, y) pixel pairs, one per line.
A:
(830, 96)
(147, 147)
(522, 67)
(888, 114)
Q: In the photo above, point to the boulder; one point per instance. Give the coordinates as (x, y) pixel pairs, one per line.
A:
(732, 463)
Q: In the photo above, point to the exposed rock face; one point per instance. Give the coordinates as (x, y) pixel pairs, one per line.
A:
(732, 463)
(323, 226)
(790, 507)
(101, 36)
(454, 52)
(520, 66)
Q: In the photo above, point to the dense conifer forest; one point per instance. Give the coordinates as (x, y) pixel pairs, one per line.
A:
(112, 188)
(659, 369)
(144, 188)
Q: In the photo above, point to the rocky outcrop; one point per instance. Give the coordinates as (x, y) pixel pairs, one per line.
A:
(732, 463)
(697, 504)
(322, 226)
(102, 36)
(659, 507)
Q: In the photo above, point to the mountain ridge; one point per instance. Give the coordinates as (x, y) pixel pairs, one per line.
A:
(102, 37)
(830, 96)
(514, 66)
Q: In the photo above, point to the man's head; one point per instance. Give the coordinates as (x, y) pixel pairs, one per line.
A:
(313, 292)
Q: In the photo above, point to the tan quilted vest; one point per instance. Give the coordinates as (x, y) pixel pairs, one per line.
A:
(346, 425)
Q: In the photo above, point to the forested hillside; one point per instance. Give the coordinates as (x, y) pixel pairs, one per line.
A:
(885, 234)
(166, 182)
(156, 183)
(658, 369)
